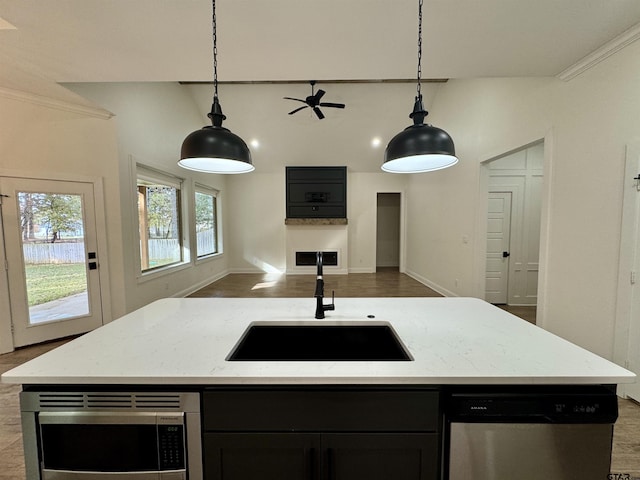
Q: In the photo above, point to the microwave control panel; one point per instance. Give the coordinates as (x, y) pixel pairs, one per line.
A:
(171, 442)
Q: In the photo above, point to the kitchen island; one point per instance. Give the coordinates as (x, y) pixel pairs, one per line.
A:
(317, 411)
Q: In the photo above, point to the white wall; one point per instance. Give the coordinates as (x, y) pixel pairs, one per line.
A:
(363, 197)
(256, 222)
(586, 124)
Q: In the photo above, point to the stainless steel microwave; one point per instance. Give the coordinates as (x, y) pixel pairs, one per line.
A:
(114, 435)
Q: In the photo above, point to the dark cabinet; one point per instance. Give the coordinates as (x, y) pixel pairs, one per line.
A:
(316, 192)
(295, 456)
(355, 456)
(264, 456)
(321, 434)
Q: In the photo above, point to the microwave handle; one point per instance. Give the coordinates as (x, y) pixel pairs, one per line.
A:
(69, 475)
(110, 418)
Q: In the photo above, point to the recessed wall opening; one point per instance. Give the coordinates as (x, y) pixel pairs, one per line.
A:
(329, 259)
(388, 231)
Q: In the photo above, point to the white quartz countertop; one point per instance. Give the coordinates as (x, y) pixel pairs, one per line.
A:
(186, 342)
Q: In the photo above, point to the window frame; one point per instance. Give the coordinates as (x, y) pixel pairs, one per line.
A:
(199, 188)
(146, 173)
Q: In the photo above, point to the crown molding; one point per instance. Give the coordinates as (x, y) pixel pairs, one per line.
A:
(621, 41)
(55, 103)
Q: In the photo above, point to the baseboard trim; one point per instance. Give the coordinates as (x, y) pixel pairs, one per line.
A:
(194, 288)
(432, 285)
(362, 270)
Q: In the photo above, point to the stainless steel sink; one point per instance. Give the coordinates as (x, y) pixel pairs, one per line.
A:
(319, 342)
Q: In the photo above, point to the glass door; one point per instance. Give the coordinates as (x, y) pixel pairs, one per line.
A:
(52, 259)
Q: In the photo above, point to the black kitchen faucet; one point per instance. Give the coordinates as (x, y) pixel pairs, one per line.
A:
(320, 306)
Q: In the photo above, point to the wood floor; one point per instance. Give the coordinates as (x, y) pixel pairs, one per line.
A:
(388, 282)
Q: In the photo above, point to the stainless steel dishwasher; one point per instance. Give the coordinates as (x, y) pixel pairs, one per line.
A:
(548, 433)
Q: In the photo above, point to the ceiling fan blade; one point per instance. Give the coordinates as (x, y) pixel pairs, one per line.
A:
(319, 94)
(334, 105)
(318, 113)
(297, 110)
(296, 99)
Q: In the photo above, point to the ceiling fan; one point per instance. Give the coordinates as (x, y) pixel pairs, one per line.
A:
(313, 102)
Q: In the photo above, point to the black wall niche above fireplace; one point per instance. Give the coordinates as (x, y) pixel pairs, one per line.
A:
(316, 192)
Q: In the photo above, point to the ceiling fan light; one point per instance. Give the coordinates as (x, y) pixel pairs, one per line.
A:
(419, 148)
(214, 149)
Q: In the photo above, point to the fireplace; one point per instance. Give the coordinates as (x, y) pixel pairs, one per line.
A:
(329, 259)
(303, 241)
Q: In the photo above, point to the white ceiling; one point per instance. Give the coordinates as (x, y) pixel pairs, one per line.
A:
(283, 40)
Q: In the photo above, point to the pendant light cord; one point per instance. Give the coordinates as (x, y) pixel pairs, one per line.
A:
(216, 115)
(215, 50)
(419, 113)
(419, 47)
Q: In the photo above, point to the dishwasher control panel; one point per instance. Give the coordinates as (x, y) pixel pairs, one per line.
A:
(545, 405)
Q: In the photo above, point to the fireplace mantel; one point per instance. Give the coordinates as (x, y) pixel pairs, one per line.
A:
(315, 221)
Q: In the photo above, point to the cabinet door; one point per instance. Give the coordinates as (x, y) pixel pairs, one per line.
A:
(263, 456)
(380, 456)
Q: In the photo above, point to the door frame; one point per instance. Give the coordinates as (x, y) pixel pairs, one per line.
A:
(545, 216)
(6, 329)
(399, 224)
(6, 322)
(629, 242)
(403, 229)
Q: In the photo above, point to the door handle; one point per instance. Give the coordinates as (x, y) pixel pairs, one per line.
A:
(505, 254)
(330, 464)
(311, 467)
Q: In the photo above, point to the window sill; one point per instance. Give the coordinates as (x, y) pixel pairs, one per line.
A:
(162, 271)
(209, 258)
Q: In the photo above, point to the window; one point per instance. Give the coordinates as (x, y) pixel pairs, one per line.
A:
(206, 221)
(159, 219)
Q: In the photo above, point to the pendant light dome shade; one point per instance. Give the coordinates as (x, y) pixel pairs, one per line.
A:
(419, 148)
(215, 149)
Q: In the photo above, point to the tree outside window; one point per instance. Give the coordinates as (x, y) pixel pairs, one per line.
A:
(159, 221)
(206, 222)
(49, 216)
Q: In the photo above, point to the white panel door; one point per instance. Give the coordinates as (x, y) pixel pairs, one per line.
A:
(49, 235)
(498, 239)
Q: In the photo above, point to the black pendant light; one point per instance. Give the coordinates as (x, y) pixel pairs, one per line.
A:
(419, 147)
(214, 149)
